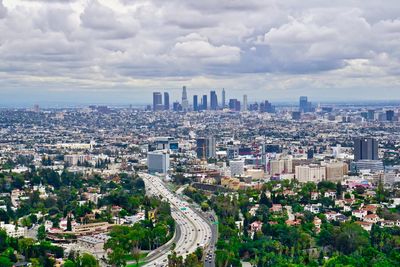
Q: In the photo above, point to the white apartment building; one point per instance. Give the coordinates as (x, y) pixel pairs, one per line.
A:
(13, 230)
(158, 161)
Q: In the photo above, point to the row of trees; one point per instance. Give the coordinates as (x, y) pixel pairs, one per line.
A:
(128, 242)
(191, 260)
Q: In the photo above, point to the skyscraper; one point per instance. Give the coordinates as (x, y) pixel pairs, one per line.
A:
(177, 106)
(201, 148)
(244, 107)
(211, 147)
(389, 115)
(234, 105)
(166, 101)
(371, 115)
(157, 101)
(195, 103)
(213, 101)
(184, 93)
(267, 107)
(223, 98)
(204, 104)
(206, 147)
(365, 148)
(185, 102)
(304, 104)
(237, 108)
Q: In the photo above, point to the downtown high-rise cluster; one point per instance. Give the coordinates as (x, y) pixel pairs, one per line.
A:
(208, 102)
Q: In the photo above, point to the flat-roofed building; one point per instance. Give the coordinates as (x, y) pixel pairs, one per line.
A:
(311, 173)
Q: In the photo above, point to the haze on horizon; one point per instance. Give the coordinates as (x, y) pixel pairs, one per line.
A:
(119, 51)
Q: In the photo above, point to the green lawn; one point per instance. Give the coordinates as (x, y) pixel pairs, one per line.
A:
(141, 262)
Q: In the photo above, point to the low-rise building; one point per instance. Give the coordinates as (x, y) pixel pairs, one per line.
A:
(359, 214)
(14, 230)
(93, 244)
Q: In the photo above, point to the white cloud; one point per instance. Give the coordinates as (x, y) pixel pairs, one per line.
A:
(265, 46)
(198, 47)
(3, 10)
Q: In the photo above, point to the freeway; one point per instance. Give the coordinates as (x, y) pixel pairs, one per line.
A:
(192, 229)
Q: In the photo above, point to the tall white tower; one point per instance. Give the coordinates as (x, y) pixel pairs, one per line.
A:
(244, 107)
(223, 98)
(185, 102)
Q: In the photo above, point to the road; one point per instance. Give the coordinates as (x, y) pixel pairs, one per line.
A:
(192, 229)
(212, 219)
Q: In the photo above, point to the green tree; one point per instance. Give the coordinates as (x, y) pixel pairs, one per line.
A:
(351, 237)
(5, 262)
(199, 253)
(221, 258)
(87, 260)
(25, 246)
(117, 257)
(36, 262)
(205, 206)
(69, 224)
(380, 192)
(41, 234)
(339, 190)
(192, 261)
(327, 236)
(3, 240)
(69, 263)
(174, 260)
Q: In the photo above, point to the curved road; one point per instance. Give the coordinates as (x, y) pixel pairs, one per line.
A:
(192, 230)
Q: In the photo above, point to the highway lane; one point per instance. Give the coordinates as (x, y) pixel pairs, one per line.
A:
(194, 230)
(210, 217)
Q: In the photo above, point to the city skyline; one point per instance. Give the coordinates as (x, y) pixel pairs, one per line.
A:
(327, 51)
(190, 133)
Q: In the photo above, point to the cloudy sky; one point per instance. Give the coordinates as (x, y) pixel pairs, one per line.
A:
(119, 51)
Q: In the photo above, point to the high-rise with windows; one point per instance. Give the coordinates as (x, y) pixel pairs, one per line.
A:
(204, 105)
(157, 101)
(166, 101)
(195, 103)
(213, 100)
(371, 115)
(304, 105)
(389, 115)
(244, 106)
(234, 104)
(365, 149)
(158, 161)
(206, 147)
(185, 102)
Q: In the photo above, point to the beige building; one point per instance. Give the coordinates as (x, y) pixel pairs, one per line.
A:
(91, 228)
(256, 174)
(310, 173)
(335, 171)
(280, 166)
(277, 166)
(230, 182)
